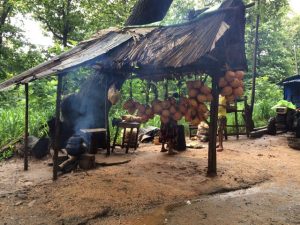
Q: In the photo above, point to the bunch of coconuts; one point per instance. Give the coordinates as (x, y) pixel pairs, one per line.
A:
(232, 85)
(194, 107)
(143, 111)
(167, 109)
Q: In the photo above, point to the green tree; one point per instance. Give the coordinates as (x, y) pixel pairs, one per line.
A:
(71, 21)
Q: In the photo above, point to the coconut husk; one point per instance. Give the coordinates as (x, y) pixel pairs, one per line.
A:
(226, 91)
(238, 92)
(235, 83)
(166, 104)
(202, 108)
(240, 74)
(205, 90)
(193, 103)
(229, 76)
(173, 109)
(222, 82)
(201, 98)
(209, 97)
(164, 119)
(165, 113)
(177, 116)
(183, 109)
(193, 93)
(197, 84)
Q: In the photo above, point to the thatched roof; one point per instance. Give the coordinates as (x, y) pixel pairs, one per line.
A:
(207, 44)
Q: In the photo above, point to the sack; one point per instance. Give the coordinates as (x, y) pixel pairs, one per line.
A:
(113, 94)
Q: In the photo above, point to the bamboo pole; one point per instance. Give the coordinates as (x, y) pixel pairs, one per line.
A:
(26, 127)
(257, 4)
(212, 152)
(57, 126)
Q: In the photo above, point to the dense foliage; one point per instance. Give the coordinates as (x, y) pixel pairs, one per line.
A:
(71, 21)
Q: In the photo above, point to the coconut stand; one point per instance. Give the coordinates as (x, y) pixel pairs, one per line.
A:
(211, 43)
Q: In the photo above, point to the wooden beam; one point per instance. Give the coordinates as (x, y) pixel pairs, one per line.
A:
(26, 133)
(107, 116)
(213, 125)
(57, 126)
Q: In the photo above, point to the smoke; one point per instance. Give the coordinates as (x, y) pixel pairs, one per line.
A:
(86, 109)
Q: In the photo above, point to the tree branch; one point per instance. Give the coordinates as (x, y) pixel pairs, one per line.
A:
(56, 35)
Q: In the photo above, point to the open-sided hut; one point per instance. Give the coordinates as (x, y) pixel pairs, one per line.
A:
(211, 43)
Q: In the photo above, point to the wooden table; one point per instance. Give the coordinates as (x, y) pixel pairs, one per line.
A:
(127, 125)
(94, 139)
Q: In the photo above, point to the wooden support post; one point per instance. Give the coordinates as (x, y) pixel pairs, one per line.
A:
(236, 120)
(212, 152)
(106, 117)
(257, 3)
(57, 126)
(26, 134)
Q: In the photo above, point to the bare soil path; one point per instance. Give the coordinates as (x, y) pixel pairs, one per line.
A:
(155, 188)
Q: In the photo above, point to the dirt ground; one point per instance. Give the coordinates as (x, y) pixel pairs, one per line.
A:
(258, 182)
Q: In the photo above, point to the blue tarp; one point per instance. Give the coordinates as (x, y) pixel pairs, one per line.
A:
(291, 89)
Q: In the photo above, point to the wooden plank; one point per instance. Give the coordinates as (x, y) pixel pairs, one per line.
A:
(212, 152)
(26, 127)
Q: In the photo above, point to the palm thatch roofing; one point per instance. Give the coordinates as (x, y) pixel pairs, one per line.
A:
(211, 43)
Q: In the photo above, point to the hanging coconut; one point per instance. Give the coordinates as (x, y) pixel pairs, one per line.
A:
(165, 113)
(241, 84)
(173, 109)
(193, 103)
(209, 97)
(188, 117)
(183, 109)
(240, 74)
(229, 76)
(197, 84)
(177, 116)
(131, 110)
(193, 93)
(201, 98)
(148, 111)
(195, 121)
(238, 92)
(205, 90)
(235, 83)
(222, 82)
(172, 101)
(183, 101)
(230, 98)
(226, 91)
(166, 104)
(164, 119)
(202, 108)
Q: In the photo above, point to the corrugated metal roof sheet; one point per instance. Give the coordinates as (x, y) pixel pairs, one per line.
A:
(80, 54)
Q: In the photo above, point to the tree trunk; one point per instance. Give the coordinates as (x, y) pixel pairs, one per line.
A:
(6, 9)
